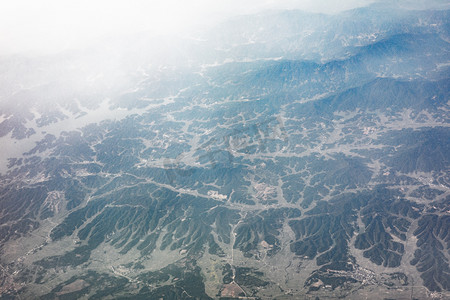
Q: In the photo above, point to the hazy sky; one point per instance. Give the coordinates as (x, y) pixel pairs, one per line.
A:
(53, 25)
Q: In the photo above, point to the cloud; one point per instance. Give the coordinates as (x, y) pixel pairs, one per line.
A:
(54, 25)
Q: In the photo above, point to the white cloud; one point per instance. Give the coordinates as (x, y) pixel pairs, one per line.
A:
(53, 25)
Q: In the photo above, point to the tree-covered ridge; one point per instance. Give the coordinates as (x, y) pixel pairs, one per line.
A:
(299, 164)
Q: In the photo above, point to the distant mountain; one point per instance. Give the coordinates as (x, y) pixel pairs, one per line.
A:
(279, 155)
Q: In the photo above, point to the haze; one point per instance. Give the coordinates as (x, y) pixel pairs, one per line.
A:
(50, 26)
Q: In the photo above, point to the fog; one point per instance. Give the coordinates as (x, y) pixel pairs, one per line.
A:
(50, 26)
